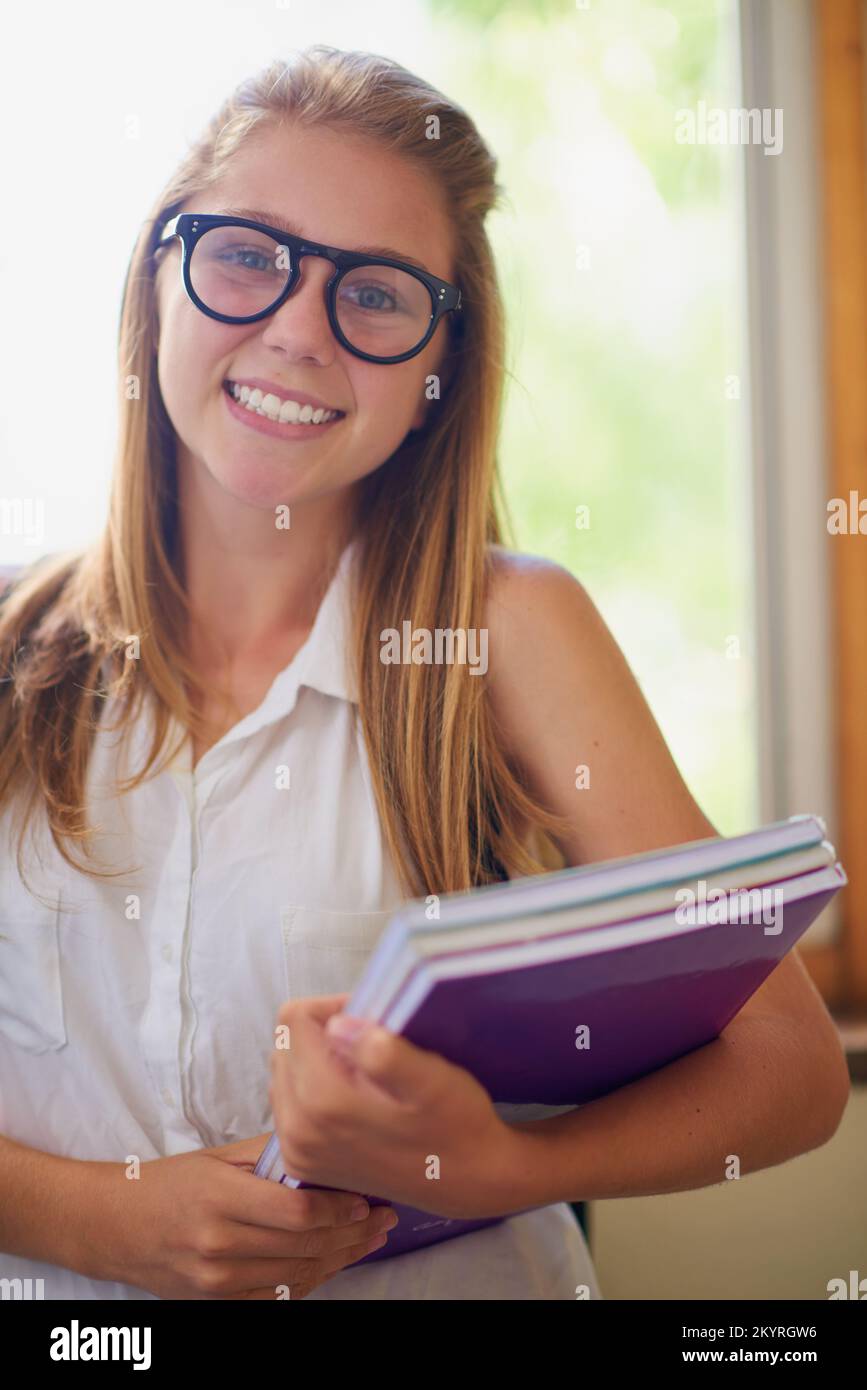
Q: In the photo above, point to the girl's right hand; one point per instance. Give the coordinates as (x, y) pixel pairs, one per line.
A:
(200, 1226)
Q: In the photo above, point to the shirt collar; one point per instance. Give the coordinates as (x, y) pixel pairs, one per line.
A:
(324, 659)
(321, 663)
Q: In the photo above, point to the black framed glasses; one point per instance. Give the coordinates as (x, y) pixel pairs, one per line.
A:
(238, 271)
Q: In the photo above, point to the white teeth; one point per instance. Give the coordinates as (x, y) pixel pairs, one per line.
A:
(286, 412)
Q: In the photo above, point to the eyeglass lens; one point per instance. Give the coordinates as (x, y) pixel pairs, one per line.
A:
(381, 310)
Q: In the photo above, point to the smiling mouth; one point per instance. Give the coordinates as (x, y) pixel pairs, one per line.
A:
(278, 411)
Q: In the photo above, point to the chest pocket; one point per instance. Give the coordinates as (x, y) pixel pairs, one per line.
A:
(325, 951)
(31, 996)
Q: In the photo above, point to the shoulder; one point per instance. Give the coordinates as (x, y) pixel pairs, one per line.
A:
(516, 579)
(548, 644)
(572, 715)
(536, 610)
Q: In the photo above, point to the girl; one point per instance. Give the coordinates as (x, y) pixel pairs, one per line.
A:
(214, 792)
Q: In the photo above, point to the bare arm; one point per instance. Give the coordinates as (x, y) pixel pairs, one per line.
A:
(775, 1083)
(741, 1096)
(46, 1204)
(193, 1225)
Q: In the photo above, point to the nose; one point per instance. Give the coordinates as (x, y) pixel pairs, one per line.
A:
(301, 325)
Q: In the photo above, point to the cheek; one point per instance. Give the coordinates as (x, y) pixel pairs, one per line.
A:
(390, 397)
(188, 363)
(178, 387)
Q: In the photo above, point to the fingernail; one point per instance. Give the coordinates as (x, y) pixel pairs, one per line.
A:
(359, 1211)
(345, 1027)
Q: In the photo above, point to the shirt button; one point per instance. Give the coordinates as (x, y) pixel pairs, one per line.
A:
(167, 953)
(167, 1096)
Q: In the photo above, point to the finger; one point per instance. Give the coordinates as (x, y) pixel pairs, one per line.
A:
(355, 1252)
(404, 1071)
(254, 1242)
(305, 1021)
(291, 1020)
(260, 1202)
(323, 1068)
(319, 1272)
(308, 1017)
(313, 1067)
(318, 1007)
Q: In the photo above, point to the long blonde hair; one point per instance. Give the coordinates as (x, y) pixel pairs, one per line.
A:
(453, 807)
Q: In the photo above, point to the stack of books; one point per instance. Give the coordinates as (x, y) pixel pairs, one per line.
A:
(555, 989)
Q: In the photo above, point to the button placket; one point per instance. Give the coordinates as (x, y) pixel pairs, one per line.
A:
(162, 1021)
(201, 795)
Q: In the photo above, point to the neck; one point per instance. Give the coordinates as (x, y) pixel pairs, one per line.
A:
(253, 584)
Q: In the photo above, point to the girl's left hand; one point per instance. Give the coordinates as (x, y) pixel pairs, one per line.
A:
(380, 1116)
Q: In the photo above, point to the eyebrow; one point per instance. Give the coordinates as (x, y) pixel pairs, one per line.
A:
(291, 229)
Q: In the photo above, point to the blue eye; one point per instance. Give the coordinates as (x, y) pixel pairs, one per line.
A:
(370, 297)
(247, 259)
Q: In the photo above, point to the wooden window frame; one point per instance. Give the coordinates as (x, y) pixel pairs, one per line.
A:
(840, 969)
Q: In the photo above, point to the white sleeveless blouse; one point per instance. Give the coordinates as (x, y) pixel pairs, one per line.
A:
(137, 1014)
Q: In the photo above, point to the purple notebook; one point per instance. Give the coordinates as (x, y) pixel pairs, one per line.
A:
(648, 988)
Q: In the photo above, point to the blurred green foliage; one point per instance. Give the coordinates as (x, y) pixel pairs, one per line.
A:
(621, 262)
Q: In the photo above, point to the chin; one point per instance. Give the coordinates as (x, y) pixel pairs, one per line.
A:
(256, 485)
